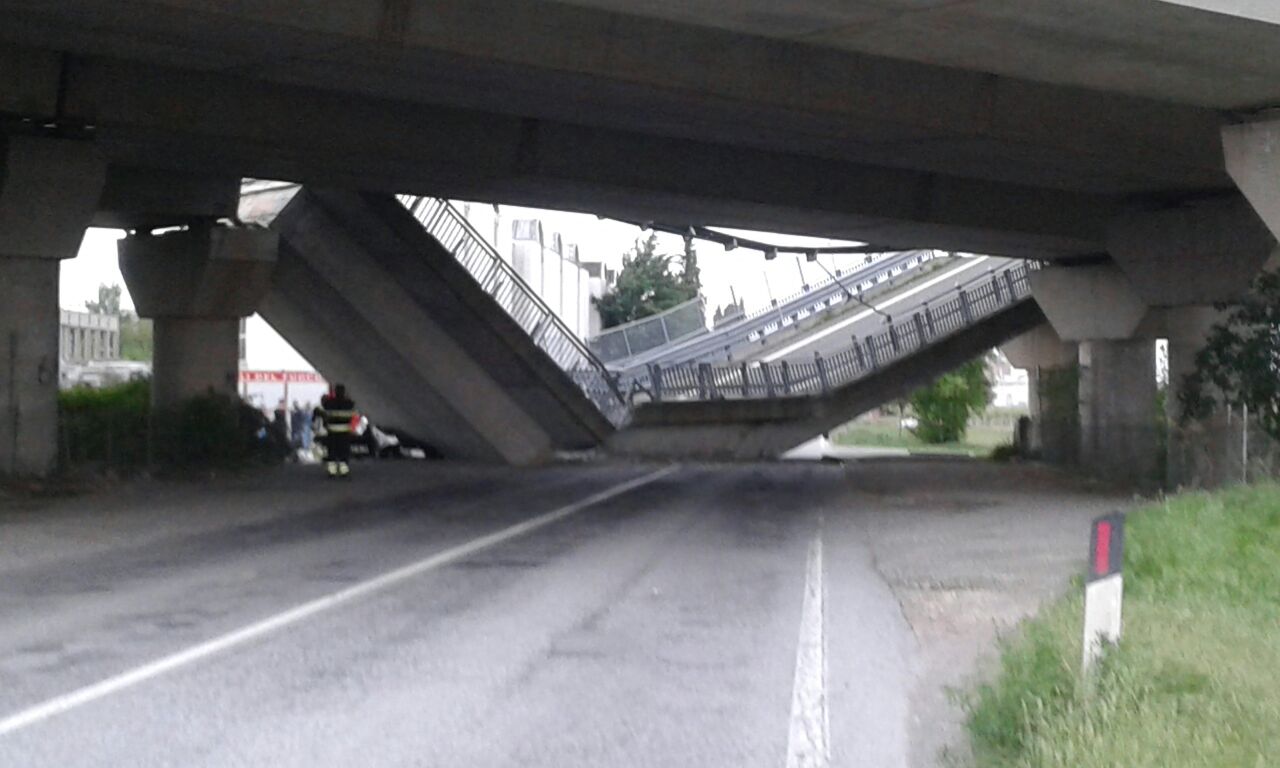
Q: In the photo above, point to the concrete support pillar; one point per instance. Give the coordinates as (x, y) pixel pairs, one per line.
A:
(192, 356)
(29, 365)
(1196, 449)
(1052, 397)
(48, 191)
(196, 285)
(1119, 424)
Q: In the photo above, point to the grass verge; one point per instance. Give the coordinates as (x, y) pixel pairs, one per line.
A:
(979, 439)
(1196, 679)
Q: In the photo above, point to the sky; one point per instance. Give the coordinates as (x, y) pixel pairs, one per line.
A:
(742, 273)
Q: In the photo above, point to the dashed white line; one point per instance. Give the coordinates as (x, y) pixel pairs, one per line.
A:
(175, 661)
(809, 738)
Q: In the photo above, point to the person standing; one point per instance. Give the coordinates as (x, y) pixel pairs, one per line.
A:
(338, 410)
(297, 424)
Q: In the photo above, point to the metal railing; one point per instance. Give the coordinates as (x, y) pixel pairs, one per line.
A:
(649, 333)
(500, 280)
(933, 322)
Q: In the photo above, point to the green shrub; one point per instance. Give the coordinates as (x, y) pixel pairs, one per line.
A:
(105, 426)
(114, 428)
(944, 407)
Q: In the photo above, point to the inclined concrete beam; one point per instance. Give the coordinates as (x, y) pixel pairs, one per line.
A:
(1201, 254)
(1252, 152)
(196, 284)
(48, 188)
(1088, 303)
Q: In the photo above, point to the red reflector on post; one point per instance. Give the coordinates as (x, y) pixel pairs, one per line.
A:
(1106, 546)
(1102, 549)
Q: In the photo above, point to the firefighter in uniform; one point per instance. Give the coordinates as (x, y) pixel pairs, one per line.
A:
(338, 411)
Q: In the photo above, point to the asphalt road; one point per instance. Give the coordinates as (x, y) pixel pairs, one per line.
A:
(837, 336)
(652, 618)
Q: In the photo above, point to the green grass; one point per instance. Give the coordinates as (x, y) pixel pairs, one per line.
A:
(979, 439)
(1196, 678)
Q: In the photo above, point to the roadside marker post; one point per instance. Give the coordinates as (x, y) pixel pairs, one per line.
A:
(1104, 589)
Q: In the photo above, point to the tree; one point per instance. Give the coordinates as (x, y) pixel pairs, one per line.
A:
(943, 408)
(108, 302)
(646, 285)
(136, 338)
(690, 275)
(1240, 363)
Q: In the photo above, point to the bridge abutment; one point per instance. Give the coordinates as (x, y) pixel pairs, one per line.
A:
(196, 284)
(48, 191)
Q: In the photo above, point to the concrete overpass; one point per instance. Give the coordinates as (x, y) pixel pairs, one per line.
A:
(1083, 134)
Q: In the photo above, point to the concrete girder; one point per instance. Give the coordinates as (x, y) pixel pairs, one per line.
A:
(1039, 348)
(211, 272)
(161, 118)
(147, 198)
(1200, 254)
(1088, 303)
(625, 71)
(48, 191)
(1252, 152)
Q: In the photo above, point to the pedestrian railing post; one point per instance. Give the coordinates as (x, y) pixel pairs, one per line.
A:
(872, 362)
(966, 312)
(746, 384)
(1008, 280)
(768, 379)
(655, 380)
(893, 338)
(706, 385)
(928, 320)
(858, 356)
(822, 371)
(920, 329)
(995, 289)
(786, 378)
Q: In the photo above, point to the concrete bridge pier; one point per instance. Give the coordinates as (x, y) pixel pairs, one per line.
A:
(1053, 397)
(196, 284)
(1097, 307)
(48, 191)
(1119, 421)
(1195, 447)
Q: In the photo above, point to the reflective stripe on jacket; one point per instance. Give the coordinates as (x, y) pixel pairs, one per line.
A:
(338, 415)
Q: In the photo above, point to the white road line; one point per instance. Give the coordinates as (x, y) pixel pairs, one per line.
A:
(809, 739)
(806, 341)
(90, 693)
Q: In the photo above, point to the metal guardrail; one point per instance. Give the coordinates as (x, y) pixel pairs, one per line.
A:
(650, 333)
(500, 280)
(970, 302)
(890, 269)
